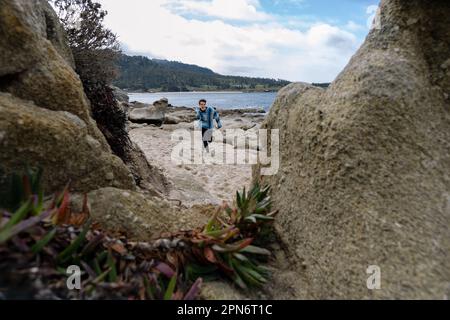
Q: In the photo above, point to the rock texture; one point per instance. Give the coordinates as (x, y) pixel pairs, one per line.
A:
(59, 142)
(44, 114)
(141, 218)
(365, 164)
(147, 176)
(120, 95)
(154, 114)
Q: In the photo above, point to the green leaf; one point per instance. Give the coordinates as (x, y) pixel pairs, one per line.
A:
(224, 248)
(240, 257)
(170, 288)
(194, 271)
(112, 276)
(19, 215)
(255, 274)
(219, 233)
(73, 247)
(238, 199)
(263, 270)
(102, 276)
(248, 278)
(255, 250)
(97, 268)
(250, 219)
(149, 289)
(23, 225)
(238, 280)
(38, 246)
(210, 226)
(262, 217)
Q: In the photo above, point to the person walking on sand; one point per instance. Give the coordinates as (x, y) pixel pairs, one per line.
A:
(206, 116)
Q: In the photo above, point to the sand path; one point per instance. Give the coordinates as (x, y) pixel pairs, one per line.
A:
(207, 181)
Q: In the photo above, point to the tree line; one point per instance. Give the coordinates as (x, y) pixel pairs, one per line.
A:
(138, 73)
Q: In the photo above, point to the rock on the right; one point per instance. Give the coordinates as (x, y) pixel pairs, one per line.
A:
(364, 176)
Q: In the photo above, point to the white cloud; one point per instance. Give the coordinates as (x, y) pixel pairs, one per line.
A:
(242, 10)
(263, 49)
(353, 26)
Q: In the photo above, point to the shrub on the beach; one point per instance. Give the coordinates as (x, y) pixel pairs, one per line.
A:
(53, 238)
(95, 48)
(96, 51)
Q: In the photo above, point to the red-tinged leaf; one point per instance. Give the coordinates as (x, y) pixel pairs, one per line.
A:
(85, 205)
(225, 268)
(245, 243)
(209, 255)
(119, 248)
(26, 186)
(63, 210)
(197, 241)
(92, 244)
(165, 269)
(224, 248)
(77, 219)
(273, 214)
(231, 234)
(172, 258)
(178, 295)
(234, 215)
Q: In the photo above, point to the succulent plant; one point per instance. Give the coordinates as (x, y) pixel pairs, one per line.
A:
(173, 267)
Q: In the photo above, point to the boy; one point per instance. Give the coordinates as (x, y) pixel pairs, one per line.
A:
(206, 115)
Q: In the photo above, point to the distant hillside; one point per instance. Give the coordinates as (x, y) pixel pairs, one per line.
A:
(141, 73)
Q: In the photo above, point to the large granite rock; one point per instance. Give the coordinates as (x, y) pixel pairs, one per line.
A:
(46, 121)
(60, 143)
(365, 164)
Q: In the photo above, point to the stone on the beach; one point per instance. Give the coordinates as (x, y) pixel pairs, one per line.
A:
(138, 105)
(364, 177)
(154, 114)
(172, 120)
(120, 95)
(138, 216)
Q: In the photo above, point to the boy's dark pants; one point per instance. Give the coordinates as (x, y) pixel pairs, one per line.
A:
(207, 136)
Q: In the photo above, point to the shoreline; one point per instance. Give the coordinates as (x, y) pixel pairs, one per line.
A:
(204, 91)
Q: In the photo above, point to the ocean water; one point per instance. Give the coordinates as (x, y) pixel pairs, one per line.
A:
(220, 100)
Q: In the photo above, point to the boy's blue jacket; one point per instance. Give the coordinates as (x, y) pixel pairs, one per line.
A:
(206, 118)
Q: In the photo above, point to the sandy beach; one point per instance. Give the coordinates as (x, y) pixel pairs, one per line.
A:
(210, 180)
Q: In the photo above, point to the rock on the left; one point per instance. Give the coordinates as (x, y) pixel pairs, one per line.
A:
(45, 117)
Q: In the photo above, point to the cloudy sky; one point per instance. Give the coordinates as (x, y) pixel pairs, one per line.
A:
(297, 40)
